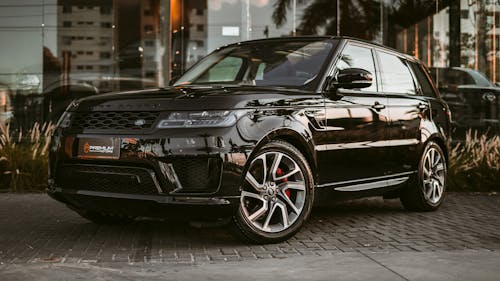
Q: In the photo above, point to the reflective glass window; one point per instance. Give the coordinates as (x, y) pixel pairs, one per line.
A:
(423, 80)
(395, 75)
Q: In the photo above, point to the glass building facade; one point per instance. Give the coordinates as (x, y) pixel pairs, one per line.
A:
(52, 51)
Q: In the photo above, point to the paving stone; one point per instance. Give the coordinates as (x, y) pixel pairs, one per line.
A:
(44, 231)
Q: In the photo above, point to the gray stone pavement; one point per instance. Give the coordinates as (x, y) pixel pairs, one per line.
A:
(363, 239)
(440, 265)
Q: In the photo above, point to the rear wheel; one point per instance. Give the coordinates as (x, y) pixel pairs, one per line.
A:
(277, 195)
(426, 193)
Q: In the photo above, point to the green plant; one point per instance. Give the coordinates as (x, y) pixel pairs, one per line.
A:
(23, 158)
(475, 164)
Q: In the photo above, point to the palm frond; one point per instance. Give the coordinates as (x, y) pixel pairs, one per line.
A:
(279, 13)
(318, 13)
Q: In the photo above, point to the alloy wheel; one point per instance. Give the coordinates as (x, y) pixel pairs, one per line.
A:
(434, 173)
(274, 195)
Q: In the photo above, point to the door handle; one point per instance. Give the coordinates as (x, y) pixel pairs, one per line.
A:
(422, 106)
(378, 106)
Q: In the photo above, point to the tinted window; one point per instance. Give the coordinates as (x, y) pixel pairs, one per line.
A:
(274, 63)
(358, 57)
(425, 85)
(395, 75)
(225, 70)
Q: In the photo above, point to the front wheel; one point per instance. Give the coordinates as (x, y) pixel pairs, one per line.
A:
(426, 192)
(277, 195)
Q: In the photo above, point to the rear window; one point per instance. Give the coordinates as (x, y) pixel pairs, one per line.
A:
(423, 80)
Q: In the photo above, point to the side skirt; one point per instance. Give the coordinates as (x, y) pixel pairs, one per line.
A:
(366, 187)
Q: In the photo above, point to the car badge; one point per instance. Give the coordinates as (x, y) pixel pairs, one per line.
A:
(139, 122)
(489, 97)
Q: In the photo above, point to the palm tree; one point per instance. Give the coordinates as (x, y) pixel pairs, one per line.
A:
(358, 18)
(407, 12)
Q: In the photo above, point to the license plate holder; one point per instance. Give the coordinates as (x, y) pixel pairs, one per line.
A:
(99, 148)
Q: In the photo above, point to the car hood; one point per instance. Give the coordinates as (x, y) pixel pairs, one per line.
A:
(194, 98)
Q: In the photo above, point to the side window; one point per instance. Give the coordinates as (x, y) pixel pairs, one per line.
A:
(423, 80)
(260, 71)
(359, 57)
(225, 70)
(395, 75)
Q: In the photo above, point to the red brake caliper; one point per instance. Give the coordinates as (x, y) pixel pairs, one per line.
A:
(279, 173)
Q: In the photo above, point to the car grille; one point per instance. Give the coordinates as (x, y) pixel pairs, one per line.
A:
(197, 174)
(128, 180)
(114, 120)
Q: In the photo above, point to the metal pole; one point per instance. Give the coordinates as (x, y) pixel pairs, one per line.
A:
(381, 15)
(294, 11)
(248, 20)
(338, 17)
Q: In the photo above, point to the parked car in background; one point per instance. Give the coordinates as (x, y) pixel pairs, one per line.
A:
(254, 132)
(6, 113)
(473, 99)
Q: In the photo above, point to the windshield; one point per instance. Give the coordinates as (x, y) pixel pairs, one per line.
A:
(273, 63)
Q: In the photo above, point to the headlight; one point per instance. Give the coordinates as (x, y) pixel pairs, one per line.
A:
(201, 119)
(65, 120)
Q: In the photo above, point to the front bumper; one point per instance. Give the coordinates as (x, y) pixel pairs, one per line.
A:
(189, 175)
(164, 206)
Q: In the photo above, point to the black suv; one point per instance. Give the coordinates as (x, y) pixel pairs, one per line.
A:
(255, 131)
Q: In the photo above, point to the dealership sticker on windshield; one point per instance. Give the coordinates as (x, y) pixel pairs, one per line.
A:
(99, 148)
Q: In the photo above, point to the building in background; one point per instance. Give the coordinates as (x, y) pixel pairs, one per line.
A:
(85, 38)
(58, 50)
(459, 34)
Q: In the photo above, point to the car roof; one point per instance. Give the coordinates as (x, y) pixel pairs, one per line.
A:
(316, 37)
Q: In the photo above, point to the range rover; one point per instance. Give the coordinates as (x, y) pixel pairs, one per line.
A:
(256, 133)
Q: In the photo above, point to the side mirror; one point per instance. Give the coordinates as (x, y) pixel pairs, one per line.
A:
(349, 78)
(352, 78)
(497, 84)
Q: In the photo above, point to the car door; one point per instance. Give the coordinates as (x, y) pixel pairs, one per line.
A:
(356, 123)
(408, 111)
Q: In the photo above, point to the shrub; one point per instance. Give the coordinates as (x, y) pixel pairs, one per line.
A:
(475, 164)
(23, 158)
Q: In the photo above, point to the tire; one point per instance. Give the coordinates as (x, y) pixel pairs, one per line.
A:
(425, 192)
(274, 204)
(105, 219)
